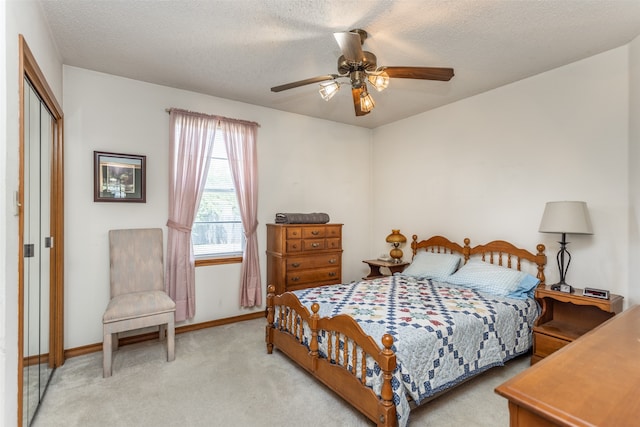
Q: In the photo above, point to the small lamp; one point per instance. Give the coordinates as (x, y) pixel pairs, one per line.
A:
(565, 218)
(396, 239)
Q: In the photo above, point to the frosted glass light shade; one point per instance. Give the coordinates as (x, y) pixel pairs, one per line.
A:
(329, 89)
(366, 102)
(379, 80)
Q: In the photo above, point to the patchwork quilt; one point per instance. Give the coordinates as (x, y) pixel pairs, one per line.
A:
(443, 334)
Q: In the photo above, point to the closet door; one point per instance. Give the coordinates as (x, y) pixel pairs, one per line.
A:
(40, 208)
(38, 140)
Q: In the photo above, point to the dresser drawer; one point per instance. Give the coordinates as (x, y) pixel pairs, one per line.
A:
(318, 261)
(544, 345)
(294, 232)
(313, 232)
(334, 243)
(294, 245)
(313, 244)
(333, 231)
(324, 275)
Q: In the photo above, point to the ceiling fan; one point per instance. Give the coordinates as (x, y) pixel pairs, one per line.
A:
(360, 66)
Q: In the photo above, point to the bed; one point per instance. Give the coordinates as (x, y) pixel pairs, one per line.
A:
(383, 343)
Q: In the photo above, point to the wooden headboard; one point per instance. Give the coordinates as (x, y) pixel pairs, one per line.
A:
(497, 252)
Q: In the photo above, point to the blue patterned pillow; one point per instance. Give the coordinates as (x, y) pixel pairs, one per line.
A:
(485, 277)
(429, 265)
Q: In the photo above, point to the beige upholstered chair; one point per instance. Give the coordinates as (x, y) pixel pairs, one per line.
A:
(138, 299)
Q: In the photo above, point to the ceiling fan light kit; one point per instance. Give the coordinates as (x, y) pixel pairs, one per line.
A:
(360, 67)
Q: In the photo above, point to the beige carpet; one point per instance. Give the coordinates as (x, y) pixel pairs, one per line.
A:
(223, 376)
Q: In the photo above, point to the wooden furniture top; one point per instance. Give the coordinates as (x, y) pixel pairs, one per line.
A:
(611, 305)
(591, 382)
(381, 263)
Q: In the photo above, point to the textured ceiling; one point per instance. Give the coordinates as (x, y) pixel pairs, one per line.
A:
(239, 49)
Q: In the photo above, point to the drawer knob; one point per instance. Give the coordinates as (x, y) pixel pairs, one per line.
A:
(315, 232)
(315, 245)
(333, 261)
(332, 274)
(295, 264)
(295, 279)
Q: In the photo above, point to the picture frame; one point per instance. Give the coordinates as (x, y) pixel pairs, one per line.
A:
(119, 177)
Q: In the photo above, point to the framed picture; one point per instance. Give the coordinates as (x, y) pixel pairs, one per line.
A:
(119, 177)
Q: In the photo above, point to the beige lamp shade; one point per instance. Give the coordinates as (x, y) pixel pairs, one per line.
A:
(566, 217)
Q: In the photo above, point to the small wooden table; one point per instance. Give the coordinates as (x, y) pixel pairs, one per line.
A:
(375, 265)
(593, 381)
(565, 317)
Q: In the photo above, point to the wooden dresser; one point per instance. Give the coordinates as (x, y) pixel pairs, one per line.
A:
(303, 255)
(593, 381)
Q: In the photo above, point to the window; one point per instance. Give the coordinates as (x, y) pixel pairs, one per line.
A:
(217, 229)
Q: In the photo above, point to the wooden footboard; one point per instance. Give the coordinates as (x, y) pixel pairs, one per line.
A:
(342, 365)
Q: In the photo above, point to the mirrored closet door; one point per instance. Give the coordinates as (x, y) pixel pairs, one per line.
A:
(38, 137)
(40, 209)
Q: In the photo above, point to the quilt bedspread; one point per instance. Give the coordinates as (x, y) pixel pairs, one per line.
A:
(443, 334)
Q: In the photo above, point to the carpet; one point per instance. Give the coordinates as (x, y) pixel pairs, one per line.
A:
(222, 376)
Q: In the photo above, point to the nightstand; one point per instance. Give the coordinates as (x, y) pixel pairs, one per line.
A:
(566, 317)
(376, 264)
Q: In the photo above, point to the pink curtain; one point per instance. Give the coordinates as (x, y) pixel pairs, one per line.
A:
(191, 138)
(240, 139)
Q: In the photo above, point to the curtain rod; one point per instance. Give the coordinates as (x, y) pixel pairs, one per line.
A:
(168, 110)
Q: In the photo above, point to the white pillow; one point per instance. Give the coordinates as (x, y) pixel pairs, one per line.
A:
(495, 279)
(431, 265)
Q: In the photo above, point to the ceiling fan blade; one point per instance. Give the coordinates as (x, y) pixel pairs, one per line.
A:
(424, 73)
(351, 45)
(355, 92)
(304, 82)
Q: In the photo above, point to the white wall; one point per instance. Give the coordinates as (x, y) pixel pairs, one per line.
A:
(5, 358)
(305, 165)
(17, 17)
(484, 167)
(634, 171)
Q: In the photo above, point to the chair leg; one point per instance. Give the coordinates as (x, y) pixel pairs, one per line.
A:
(115, 342)
(171, 333)
(163, 332)
(106, 354)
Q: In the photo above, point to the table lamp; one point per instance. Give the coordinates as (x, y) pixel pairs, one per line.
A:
(565, 218)
(396, 239)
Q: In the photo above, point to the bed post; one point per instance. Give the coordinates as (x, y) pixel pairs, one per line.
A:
(414, 245)
(466, 250)
(313, 345)
(541, 260)
(270, 313)
(387, 414)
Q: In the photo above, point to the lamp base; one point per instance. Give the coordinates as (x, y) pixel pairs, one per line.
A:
(396, 255)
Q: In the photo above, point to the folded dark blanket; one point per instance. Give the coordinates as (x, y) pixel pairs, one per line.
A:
(302, 218)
